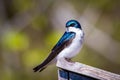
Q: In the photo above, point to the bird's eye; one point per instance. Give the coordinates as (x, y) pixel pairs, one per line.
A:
(72, 24)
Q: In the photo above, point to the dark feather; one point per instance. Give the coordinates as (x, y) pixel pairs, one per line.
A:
(62, 43)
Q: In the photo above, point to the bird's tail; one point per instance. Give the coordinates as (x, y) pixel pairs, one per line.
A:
(38, 68)
(50, 59)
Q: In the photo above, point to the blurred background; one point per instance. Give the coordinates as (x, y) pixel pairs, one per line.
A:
(30, 28)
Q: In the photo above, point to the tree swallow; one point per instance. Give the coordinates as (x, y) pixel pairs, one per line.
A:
(67, 47)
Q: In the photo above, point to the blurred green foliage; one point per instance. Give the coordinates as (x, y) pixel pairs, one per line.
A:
(26, 28)
(33, 56)
(23, 5)
(15, 41)
(39, 22)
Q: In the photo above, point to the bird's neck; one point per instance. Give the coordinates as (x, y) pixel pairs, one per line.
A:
(73, 29)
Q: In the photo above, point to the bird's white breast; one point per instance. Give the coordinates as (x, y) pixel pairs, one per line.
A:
(74, 48)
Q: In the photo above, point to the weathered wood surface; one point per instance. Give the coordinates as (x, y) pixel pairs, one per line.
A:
(86, 70)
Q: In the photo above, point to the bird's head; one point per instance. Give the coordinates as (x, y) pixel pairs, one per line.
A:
(73, 23)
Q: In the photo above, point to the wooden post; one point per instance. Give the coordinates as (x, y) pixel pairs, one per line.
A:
(77, 71)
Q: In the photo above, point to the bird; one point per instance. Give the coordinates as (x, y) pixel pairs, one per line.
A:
(67, 46)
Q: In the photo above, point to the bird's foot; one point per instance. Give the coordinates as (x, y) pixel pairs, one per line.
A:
(69, 60)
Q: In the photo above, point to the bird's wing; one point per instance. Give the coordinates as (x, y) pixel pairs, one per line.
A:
(65, 40)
